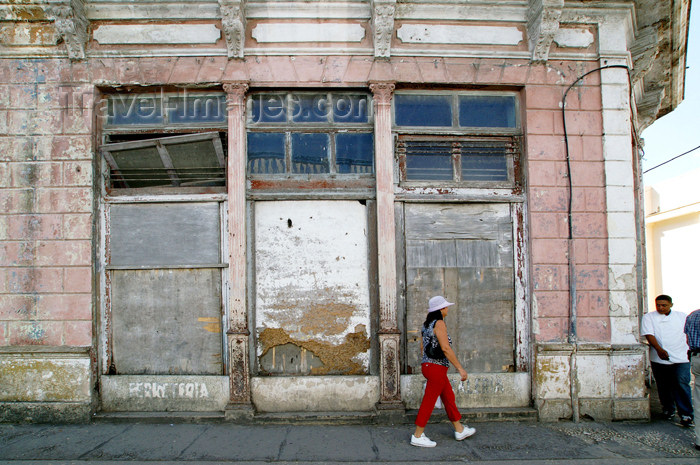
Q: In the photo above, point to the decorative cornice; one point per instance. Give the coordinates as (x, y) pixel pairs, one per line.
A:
(542, 24)
(233, 21)
(383, 12)
(71, 23)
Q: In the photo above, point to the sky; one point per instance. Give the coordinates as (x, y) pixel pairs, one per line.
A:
(678, 131)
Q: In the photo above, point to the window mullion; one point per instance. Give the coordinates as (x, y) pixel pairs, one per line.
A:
(457, 160)
(331, 152)
(288, 152)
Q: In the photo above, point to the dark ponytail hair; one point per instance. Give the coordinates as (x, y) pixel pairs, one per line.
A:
(432, 316)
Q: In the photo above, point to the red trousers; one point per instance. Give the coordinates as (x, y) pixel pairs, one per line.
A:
(438, 386)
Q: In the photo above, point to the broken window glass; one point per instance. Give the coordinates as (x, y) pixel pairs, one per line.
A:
(173, 161)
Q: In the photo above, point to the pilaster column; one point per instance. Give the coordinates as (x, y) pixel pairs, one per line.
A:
(237, 334)
(389, 343)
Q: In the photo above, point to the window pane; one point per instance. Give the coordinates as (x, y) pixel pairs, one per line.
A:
(307, 108)
(196, 164)
(268, 108)
(310, 153)
(429, 168)
(134, 110)
(350, 108)
(354, 153)
(428, 161)
(266, 153)
(487, 111)
(141, 167)
(423, 110)
(197, 109)
(484, 161)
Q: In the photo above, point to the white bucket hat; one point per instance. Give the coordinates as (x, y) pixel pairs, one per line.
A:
(438, 303)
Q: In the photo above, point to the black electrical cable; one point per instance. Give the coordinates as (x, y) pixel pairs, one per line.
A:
(566, 136)
(573, 325)
(670, 160)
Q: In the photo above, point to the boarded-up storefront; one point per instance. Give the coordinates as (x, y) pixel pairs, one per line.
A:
(247, 214)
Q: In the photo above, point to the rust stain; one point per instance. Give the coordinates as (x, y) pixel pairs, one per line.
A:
(335, 359)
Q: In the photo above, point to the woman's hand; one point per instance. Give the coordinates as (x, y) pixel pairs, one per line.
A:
(463, 374)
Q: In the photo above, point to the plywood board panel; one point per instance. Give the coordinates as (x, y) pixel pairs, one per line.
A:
(479, 278)
(167, 321)
(164, 234)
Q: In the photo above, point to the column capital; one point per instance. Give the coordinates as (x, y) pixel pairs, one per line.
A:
(235, 92)
(382, 91)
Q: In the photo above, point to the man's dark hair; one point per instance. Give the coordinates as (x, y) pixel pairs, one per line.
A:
(663, 297)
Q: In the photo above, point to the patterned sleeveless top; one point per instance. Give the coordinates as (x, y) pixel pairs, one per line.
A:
(429, 338)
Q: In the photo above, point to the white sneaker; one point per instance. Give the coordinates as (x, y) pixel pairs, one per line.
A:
(466, 432)
(422, 441)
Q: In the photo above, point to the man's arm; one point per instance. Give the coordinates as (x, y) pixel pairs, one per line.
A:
(663, 355)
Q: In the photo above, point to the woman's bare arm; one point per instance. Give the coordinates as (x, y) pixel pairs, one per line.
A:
(441, 334)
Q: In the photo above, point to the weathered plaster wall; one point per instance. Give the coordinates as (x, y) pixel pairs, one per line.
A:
(46, 202)
(315, 393)
(45, 385)
(548, 201)
(45, 241)
(151, 393)
(312, 287)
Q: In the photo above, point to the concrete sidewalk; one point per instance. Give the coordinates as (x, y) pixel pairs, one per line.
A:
(586, 442)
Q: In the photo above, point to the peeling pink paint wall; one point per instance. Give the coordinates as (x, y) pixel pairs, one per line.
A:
(46, 201)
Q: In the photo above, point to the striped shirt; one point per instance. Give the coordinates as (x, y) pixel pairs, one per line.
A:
(692, 330)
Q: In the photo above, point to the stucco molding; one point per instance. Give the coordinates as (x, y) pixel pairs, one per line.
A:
(383, 12)
(233, 22)
(72, 24)
(235, 93)
(390, 384)
(542, 25)
(382, 92)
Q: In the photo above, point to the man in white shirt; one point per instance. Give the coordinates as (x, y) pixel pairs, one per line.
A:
(663, 330)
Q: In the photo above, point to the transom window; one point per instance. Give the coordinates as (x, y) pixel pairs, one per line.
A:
(164, 140)
(310, 133)
(457, 137)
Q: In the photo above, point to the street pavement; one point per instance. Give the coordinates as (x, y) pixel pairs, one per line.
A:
(217, 442)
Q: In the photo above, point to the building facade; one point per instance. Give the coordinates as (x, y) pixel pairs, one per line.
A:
(242, 208)
(672, 209)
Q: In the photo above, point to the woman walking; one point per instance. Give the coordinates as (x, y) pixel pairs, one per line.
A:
(437, 355)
